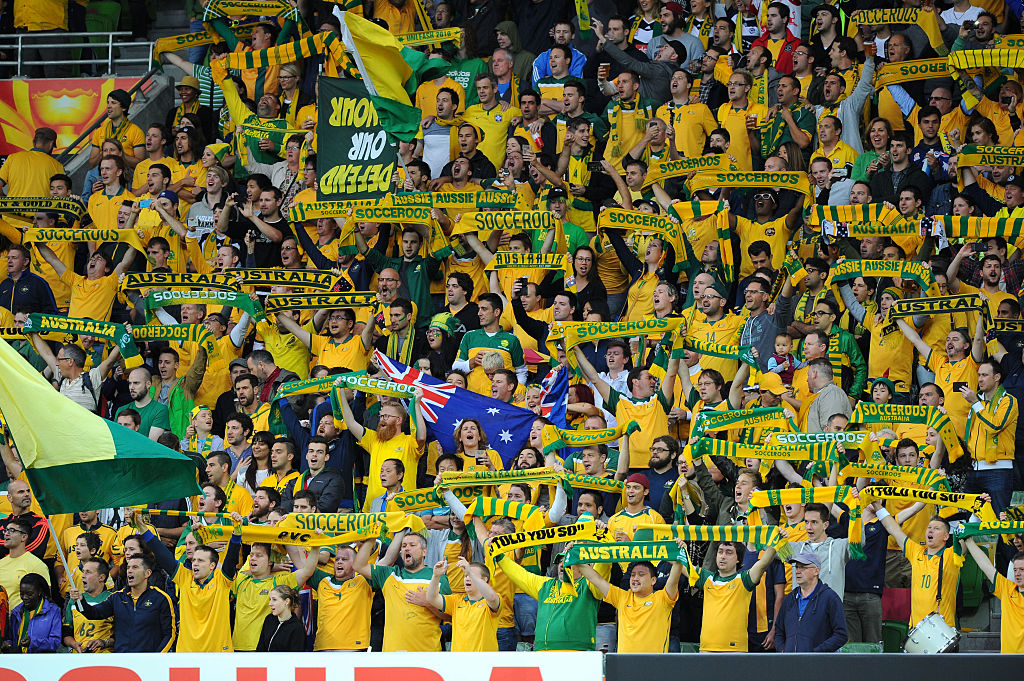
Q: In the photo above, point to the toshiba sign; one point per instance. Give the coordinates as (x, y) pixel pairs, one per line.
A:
(324, 666)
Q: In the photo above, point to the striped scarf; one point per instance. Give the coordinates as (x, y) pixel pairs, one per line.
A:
(867, 412)
(109, 331)
(621, 552)
(487, 507)
(765, 417)
(190, 333)
(555, 438)
(904, 475)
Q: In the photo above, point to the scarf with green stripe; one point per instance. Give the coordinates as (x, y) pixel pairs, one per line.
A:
(851, 269)
(966, 502)
(429, 498)
(249, 8)
(760, 535)
(440, 35)
(739, 352)
(350, 522)
(928, 21)
(972, 229)
(109, 331)
(621, 552)
(937, 305)
(242, 301)
(981, 155)
(710, 447)
(26, 617)
(260, 534)
(70, 209)
(476, 478)
(576, 333)
(465, 201)
(867, 412)
(904, 475)
(989, 409)
(765, 417)
(906, 71)
(581, 481)
(336, 61)
(749, 179)
(184, 333)
(842, 494)
(999, 58)
(989, 527)
(489, 507)
(664, 170)
(63, 234)
(319, 301)
(555, 438)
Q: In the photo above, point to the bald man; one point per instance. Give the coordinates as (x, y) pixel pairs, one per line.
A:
(20, 496)
(155, 418)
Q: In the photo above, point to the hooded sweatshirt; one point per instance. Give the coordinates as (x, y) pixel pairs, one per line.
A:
(522, 65)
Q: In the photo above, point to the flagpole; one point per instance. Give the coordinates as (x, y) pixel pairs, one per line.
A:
(350, 44)
(11, 453)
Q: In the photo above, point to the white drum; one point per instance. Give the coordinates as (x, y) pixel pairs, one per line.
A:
(931, 635)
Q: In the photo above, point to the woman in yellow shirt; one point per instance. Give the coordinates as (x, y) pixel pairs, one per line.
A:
(645, 274)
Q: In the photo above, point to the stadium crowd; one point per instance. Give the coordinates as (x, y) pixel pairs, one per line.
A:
(762, 292)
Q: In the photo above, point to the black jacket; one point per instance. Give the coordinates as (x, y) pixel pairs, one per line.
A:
(328, 486)
(282, 637)
(143, 626)
(30, 292)
(882, 188)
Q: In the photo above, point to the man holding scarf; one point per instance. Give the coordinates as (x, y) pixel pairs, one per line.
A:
(991, 428)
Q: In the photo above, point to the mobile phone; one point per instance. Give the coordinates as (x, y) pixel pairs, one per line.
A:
(1006, 100)
(145, 203)
(959, 385)
(595, 167)
(379, 319)
(522, 282)
(969, 24)
(980, 248)
(842, 173)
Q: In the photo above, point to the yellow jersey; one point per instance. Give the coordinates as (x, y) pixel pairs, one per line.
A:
(28, 173)
(924, 582)
(403, 447)
(1011, 636)
(735, 121)
(85, 629)
(205, 612)
(474, 623)
(726, 609)
(349, 353)
(252, 605)
(343, 612)
(643, 620)
(92, 298)
(408, 627)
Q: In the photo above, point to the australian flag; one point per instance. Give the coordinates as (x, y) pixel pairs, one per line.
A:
(445, 406)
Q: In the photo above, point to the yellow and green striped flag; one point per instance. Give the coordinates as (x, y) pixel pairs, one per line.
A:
(76, 460)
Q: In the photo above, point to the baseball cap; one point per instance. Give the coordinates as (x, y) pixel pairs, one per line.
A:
(189, 81)
(238, 363)
(640, 479)
(169, 195)
(556, 194)
(771, 382)
(806, 558)
(219, 316)
(674, 7)
(825, 7)
(1016, 181)
(679, 49)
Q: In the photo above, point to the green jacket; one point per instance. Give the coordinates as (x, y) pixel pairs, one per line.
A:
(416, 277)
(183, 394)
(843, 350)
(565, 620)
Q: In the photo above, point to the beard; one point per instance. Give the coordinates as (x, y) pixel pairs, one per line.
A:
(386, 431)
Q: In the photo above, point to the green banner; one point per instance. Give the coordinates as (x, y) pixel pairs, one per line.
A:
(356, 159)
(158, 299)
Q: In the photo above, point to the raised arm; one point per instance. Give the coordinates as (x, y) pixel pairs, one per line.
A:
(434, 588)
(915, 338)
(354, 427)
(50, 257)
(758, 568)
(590, 373)
(981, 558)
(890, 524)
(978, 350)
(361, 563)
(596, 580)
(289, 324)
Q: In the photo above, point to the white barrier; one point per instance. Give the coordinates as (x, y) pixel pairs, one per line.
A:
(304, 667)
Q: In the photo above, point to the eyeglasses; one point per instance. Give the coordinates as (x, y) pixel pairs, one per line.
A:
(292, 147)
(9, 530)
(801, 53)
(941, 99)
(63, 359)
(660, 449)
(764, 195)
(739, 84)
(820, 313)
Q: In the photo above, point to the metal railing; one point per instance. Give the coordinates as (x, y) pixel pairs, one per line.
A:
(18, 42)
(73, 149)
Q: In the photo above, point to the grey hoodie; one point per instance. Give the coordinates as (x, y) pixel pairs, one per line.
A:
(523, 62)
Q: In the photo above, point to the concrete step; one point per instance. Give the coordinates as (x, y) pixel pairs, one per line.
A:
(979, 642)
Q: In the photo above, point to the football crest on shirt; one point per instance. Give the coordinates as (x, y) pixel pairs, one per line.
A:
(504, 343)
(770, 231)
(497, 118)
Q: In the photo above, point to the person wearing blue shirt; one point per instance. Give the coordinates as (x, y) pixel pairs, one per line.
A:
(811, 618)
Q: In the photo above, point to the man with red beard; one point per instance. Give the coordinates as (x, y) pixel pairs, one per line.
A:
(387, 442)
